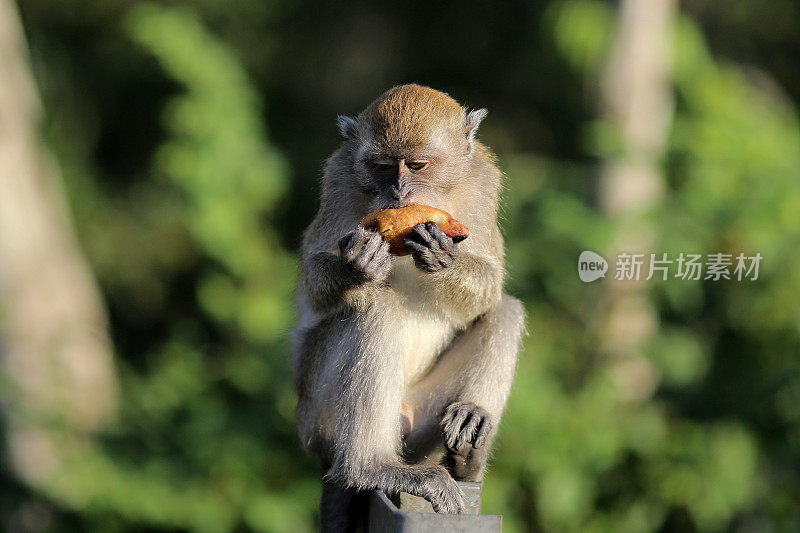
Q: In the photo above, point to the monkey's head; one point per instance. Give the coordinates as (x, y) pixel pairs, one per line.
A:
(413, 145)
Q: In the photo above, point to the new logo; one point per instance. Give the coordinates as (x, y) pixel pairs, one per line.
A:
(591, 266)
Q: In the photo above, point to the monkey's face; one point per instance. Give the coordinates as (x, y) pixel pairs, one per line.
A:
(427, 174)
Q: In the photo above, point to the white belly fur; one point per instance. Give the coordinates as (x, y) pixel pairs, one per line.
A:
(424, 332)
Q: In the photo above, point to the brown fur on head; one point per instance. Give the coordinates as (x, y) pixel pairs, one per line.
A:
(409, 117)
(405, 127)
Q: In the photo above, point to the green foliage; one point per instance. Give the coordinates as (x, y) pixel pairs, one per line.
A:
(585, 457)
(582, 30)
(231, 178)
(206, 441)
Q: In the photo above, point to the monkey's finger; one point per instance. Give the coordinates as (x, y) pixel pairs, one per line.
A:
(422, 234)
(454, 427)
(372, 242)
(439, 236)
(356, 243)
(483, 432)
(365, 234)
(380, 257)
(345, 241)
(417, 248)
(448, 415)
(468, 430)
(381, 250)
(363, 251)
(447, 498)
(453, 409)
(442, 243)
(423, 257)
(451, 439)
(462, 440)
(444, 258)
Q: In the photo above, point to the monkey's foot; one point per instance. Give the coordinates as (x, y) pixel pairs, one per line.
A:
(444, 494)
(465, 427)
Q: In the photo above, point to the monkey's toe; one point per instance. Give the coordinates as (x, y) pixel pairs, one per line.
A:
(465, 426)
(445, 495)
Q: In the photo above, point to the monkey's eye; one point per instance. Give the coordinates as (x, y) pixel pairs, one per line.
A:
(383, 166)
(416, 165)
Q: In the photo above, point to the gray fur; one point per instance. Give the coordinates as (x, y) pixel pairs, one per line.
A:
(472, 120)
(347, 127)
(434, 331)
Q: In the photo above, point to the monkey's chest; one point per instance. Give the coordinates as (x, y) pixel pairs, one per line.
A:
(423, 332)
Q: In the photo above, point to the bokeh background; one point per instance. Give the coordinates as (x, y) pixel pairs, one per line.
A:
(159, 161)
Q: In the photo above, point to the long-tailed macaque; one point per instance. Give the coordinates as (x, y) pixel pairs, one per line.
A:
(403, 365)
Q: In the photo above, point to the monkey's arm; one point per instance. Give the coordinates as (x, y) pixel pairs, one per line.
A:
(325, 279)
(468, 287)
(461, 283)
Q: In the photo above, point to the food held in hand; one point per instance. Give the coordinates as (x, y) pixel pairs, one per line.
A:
(396, 225)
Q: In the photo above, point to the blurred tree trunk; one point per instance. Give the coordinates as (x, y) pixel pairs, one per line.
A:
(637, 99)
(55, 352)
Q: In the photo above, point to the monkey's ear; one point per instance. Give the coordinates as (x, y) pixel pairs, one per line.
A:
(347, 126)
(471, 122)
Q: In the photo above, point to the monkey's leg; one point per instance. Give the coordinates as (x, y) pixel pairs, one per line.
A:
(462, 399)
(358, 395)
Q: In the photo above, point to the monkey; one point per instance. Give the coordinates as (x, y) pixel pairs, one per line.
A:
(403, 365)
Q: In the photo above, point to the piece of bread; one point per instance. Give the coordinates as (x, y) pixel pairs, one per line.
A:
(396, 225)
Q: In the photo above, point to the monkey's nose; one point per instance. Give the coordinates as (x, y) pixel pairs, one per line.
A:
(398, 193)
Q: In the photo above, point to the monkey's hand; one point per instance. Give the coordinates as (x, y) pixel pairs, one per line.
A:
(465, 427)
(367, 253)
(431, 248)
